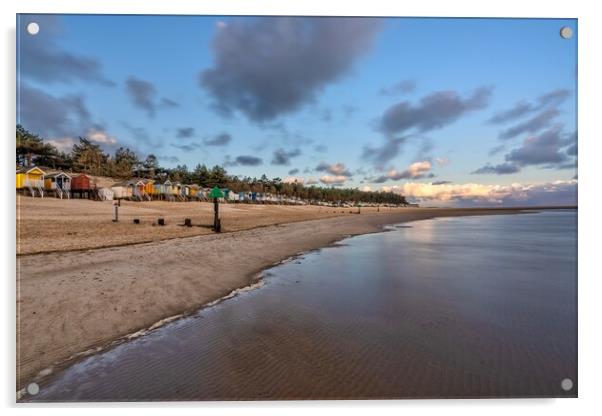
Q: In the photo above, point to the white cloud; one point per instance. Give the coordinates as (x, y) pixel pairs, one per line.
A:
(293, 179)
(564, 192)
(417, 170)
(64, 144)
(333, 179)
(101, 137)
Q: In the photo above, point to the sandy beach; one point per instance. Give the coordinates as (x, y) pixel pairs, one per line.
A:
(69, 302)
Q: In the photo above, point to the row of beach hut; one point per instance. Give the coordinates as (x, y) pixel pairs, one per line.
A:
(38, 182)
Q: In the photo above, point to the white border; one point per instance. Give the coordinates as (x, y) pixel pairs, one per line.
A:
(590, 31)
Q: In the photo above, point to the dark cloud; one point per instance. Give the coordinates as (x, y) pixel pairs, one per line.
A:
(402, 87)
(434, 111)
(553, 98)
(337, 169)
(532, 125)
(501, 169)
(142, 94)
(185, 132)
(379, 156)
(572, 150)
(546, 149)
(221, 139)
(283, 157)
(270, 66)
(441, 182)
(42, 59)
(522, 108)
(541, 149)
(293, 171)
(52, 116)
(248, 160)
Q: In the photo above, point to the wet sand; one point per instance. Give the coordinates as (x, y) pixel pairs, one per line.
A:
(70, 302)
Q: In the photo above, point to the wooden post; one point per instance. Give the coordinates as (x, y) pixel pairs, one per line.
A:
(216, 223)
(116, 205)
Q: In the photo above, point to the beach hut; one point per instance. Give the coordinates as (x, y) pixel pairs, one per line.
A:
(193, 190)
(157, 190)
(82, 186)
(58, 183)
(176, 191)
(122, 190)
(31, 179)
(105, 194)
(81, 182)
(139, 189)
(185, 192)
(168, 190)
(149, 188)
(232, 197)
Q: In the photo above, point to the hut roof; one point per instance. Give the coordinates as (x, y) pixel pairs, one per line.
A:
(27, 169)
(55, 174)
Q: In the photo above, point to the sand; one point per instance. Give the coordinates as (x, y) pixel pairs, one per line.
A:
(69, 302)
(50, 224)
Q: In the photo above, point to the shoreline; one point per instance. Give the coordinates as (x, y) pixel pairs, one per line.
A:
(66, 329)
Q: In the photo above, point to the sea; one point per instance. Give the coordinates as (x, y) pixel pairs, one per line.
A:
(464, 307)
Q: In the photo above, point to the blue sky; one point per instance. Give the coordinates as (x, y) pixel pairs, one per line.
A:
(444, 110)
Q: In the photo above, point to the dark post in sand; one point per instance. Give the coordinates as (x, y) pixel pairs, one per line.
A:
(116, 204)
(216, 193)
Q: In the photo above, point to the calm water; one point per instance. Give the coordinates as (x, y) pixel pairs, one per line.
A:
(456, 307)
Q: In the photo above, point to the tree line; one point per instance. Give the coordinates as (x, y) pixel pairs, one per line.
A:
(88, 157)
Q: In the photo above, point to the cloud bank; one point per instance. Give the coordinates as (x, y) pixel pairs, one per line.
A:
(472, 194)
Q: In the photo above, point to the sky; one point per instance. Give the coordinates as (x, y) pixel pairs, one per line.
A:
(462, 112)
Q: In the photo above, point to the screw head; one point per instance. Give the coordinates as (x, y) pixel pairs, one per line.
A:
(566, 32)
(33, 388)
(33, 28)
(566, 384)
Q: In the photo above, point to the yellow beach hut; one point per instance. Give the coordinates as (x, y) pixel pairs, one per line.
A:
(32, 179)
(149, 187)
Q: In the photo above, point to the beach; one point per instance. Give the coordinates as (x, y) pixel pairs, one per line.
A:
(447, 307)
(72, 301)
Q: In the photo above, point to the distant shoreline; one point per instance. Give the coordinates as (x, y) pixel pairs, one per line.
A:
(76, 301)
